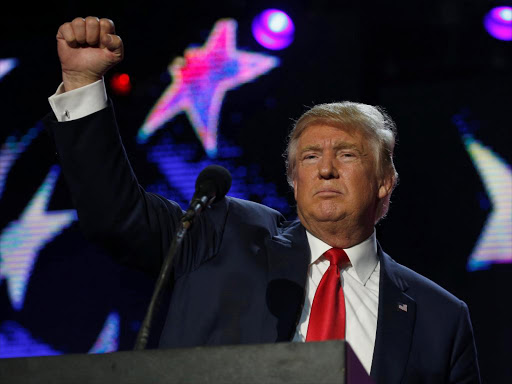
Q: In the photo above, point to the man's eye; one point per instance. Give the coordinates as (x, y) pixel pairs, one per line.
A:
(309, 157)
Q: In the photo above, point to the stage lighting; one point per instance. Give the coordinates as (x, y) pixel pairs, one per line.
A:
(273, 29)
(498, 23)
(120, 83)
(6, 66)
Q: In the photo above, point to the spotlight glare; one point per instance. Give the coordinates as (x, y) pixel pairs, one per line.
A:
(277, 22)
(120, 83)
(498, 23)
(506, 14)
(273, 29)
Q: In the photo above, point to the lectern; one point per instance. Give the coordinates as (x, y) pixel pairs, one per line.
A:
(314, 362)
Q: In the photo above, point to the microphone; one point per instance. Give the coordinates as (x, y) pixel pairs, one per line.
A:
(212, 184)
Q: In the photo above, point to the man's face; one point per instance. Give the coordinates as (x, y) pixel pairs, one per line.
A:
(336, 179)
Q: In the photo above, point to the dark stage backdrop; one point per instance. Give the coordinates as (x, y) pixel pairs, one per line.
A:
(431, 65)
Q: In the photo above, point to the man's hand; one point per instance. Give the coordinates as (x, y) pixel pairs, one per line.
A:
(87, 49)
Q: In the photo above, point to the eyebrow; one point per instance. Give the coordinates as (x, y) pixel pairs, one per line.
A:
(337, 146)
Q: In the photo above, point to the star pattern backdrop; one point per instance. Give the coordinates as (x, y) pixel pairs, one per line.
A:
(206, 92)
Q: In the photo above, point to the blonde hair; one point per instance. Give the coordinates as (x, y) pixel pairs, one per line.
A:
(373, 121)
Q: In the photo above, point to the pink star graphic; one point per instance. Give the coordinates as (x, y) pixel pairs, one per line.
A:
(200, 82)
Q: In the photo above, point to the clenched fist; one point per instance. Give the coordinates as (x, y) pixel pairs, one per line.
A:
(87, 49)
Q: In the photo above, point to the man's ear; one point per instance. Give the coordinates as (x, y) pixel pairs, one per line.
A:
(295, 189)
(386, 186)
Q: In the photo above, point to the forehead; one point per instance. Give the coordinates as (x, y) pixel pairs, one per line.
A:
(326, 135)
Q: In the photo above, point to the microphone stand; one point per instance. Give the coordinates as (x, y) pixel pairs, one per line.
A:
(165, 272)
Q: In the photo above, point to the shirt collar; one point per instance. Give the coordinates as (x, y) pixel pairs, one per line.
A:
(362, 256)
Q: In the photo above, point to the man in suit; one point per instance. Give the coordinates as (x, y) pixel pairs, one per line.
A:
(244, 274)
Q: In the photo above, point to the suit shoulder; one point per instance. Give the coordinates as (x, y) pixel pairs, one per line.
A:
(420, 287)
(255, 210)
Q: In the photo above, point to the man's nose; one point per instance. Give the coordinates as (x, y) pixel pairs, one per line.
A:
(327, 168)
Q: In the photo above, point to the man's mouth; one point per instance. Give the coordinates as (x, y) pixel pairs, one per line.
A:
(328, 192)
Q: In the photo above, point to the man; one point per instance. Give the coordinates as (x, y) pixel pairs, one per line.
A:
(245, 275)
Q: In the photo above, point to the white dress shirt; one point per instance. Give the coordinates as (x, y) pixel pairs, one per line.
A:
(360, 280)
(79, 102)
(360, 283)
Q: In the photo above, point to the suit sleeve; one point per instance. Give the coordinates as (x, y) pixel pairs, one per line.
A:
(464, 362)
(113, 209)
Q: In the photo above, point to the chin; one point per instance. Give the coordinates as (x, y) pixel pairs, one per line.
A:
(329, 215)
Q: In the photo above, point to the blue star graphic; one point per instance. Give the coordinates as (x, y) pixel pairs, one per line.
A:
(12, 149)
(21, 240)
(108, 338)
(17, 341)
(495, 243)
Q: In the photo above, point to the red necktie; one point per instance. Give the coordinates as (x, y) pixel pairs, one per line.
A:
(327, 318)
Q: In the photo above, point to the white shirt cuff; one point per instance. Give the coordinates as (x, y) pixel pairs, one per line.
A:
(79, 102)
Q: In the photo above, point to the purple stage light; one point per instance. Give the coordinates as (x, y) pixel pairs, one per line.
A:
(273, 29)
(498, 23)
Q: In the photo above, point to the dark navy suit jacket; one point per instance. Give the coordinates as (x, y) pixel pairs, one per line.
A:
(241, 274)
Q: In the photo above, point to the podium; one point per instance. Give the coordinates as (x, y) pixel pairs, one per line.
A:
(313, 362)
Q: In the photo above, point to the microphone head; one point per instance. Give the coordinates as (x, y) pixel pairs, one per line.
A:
(214, 180)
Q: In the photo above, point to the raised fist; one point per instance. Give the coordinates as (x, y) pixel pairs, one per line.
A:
(87, 49)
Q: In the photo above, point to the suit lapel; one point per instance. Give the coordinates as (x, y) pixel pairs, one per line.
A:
(288, 256)
(395, 324)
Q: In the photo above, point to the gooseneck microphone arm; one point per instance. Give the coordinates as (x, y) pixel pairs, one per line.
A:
(163, 279)
(212, 184)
